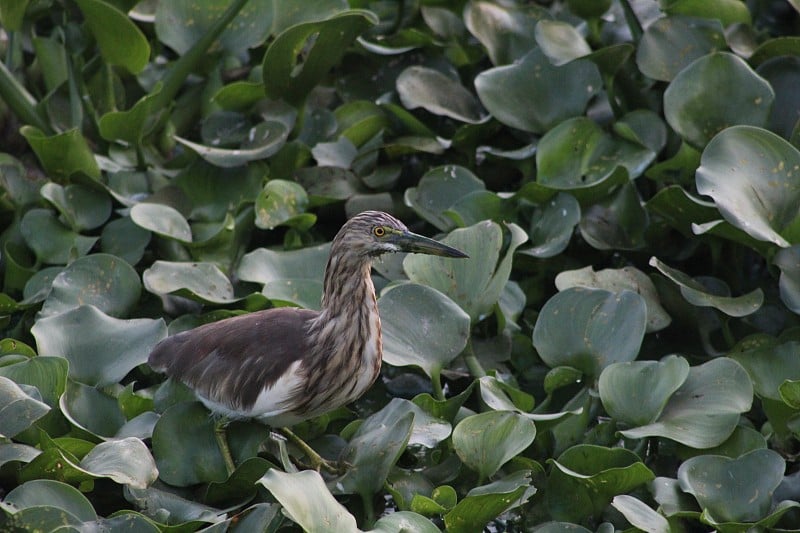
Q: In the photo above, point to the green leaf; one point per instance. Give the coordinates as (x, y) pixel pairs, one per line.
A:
(726, 11)
(47, 374)
(19, 408)
(437, 93)
(705, 409)
(162, 220)
(47, 493)
(696, 294)
(715, 92)
(640, 515)
(121, 42)
(307, 501)
(63, 154)
(203, 282)
(132, 125)
(733, 490)
(506, 30)
(404, 521)
(636, 392)
(670, 44)
(261, 141)
(552, 226)
(291, 77)
(616, 280)
(180, 23)
(281, 202)
(769, 366)
(101, 350)
(50, 240)
(83, 208)
(293, 277)
(603, 328)
(437, 191)
(592, 476)
(560, 41)
(751, 175)
(560, 92)
(485, 442)
(578, 153)
(104, 281)
(184, 446)
(474, 284)
(375, 448)
(422, 327)
(126, 461)
(91, 410)
(486, 502)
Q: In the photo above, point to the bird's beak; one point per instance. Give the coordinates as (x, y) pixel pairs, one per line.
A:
(413, 243)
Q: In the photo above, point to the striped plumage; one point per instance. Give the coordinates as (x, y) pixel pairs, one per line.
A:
(286, 365)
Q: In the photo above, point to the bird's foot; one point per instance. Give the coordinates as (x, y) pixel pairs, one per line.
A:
(314, 460)
(319, 463)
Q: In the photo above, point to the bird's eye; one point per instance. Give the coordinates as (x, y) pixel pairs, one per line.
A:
(378, 231)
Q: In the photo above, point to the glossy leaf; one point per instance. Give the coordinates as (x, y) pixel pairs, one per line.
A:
(200, 281)
(701, 101)
(670, 44)
(506, 30)
(121, 42)
(764, 208)
(162, 220)
(552, 226)
(422, 327)
(50, 240)
(281, 202)
(261, 141)
(616, 280)
(184, 447)
(126, 461)
(293, 277)
(45, 492)
(604, 328)
(440, 188)
(733, 490)
(285, 78)
(179, 24)
(593, 475)
(20, 409)
(438, 94)
(375, 448)
(475, 284)
(100, 349)
(104, 281)
(509, 92)
(63, 154)
(696, 294)
(636, 392)
(704, 410)
(485, 442)
(485, 502)
(81, 207)
(320, 512)
(640, 515)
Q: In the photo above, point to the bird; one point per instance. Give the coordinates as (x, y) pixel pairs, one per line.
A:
(284, 365)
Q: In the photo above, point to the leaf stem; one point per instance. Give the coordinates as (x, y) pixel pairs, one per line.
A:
(436, 381)
(20, 101)
(474, 366)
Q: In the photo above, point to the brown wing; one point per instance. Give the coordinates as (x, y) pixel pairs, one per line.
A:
(231, 361)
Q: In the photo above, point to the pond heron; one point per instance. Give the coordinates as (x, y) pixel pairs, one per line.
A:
(284, 365)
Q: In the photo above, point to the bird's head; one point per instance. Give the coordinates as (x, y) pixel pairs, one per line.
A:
(373, 233)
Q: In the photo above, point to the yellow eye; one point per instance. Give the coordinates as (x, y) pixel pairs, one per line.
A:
(378, 231)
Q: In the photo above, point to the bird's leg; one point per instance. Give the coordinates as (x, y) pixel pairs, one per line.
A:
(222, 441)
(316, 461)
